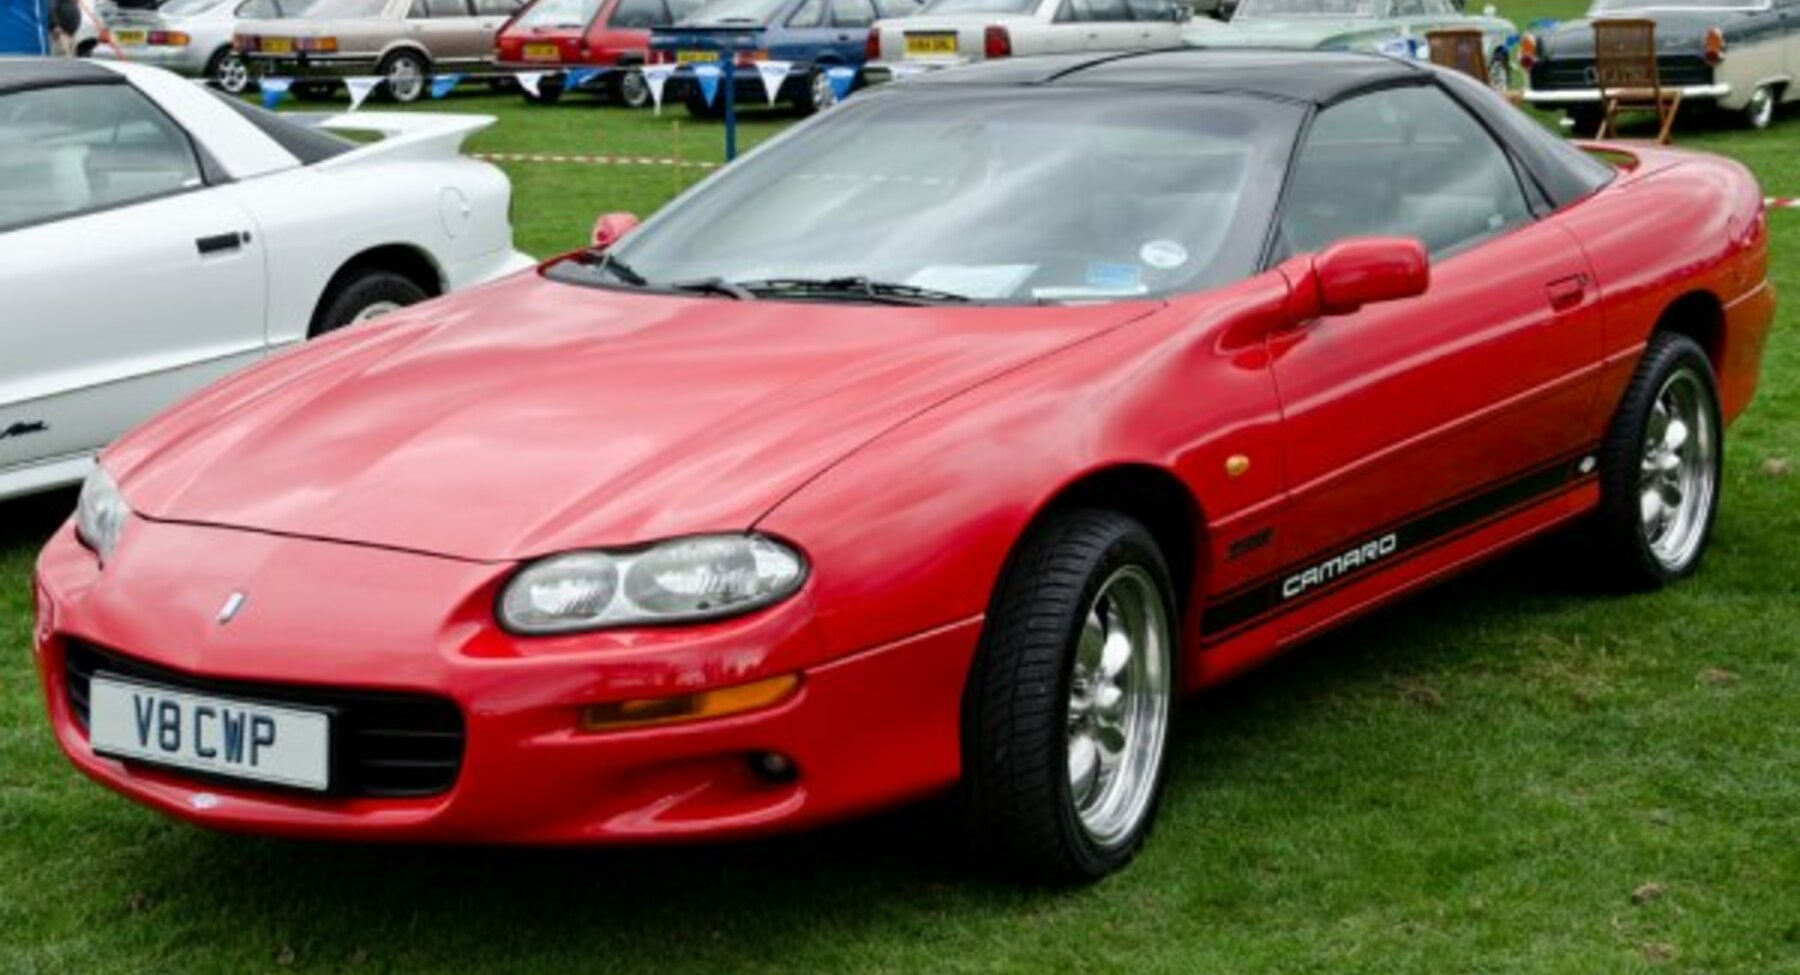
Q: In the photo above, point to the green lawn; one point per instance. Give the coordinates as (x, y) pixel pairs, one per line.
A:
(1507, 775)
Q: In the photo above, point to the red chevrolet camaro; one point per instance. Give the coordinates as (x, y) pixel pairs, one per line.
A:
(939, 443)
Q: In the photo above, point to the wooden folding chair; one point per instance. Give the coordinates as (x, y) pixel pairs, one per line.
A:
(1625, 70)
(1459, 49)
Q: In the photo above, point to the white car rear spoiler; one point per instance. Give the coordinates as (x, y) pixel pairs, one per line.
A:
(405, 136)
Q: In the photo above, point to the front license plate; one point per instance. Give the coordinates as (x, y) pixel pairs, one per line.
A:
(543, 52)
(130, 38)
(696, 57)
(930, 45)
(222, 736)
(276, 45)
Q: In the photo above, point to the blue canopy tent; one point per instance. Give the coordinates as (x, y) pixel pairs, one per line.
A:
(24, 27)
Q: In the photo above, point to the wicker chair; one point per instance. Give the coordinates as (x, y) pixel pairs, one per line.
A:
(1625, 69)
(1459, 49)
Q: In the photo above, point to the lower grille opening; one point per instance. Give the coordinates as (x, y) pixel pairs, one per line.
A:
(384, 744)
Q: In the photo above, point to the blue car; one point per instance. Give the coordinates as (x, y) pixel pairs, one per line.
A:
(814, 36)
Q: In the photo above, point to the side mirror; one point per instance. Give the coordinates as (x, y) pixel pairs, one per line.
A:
(610, 227)
(1360, 271)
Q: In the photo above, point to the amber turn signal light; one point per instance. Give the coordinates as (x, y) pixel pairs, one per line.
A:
(650, 711)
(1715, 45)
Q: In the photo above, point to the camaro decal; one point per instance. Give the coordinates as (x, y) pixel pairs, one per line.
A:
(23, 428)
(1318, 574)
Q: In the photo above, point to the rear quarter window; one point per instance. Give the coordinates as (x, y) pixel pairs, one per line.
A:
(305, 144)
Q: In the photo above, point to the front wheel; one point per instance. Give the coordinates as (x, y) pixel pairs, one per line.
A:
(1659, 468)
(1067, 712)
(364, 296)
(1500, 72)
(407, 74)
(1759, 113)
(817, 95)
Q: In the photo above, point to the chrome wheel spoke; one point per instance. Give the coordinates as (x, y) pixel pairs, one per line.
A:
(1676, 475)
(1084, 767)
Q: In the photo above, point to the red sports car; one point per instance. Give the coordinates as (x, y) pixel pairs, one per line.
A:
(938, 443)
(610, 35)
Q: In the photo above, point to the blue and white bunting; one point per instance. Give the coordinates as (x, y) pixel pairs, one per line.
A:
(655, 77)
(274, 90)
(841, 79)
(529, 81)
(576, 77)
(359, 87)
(708, 76)
(773, 73)
(443, 84)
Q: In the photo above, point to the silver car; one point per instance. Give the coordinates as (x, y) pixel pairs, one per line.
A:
(403, 41)
(190, 37)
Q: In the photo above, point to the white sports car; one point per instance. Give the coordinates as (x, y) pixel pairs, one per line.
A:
(155, 235)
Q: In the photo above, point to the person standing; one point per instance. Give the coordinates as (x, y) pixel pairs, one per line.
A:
(64, 17)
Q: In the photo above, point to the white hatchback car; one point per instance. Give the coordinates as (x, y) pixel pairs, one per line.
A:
(951, 32)
(155, 235)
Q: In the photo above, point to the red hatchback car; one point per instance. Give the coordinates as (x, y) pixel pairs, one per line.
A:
(939, 443)
(613, 35)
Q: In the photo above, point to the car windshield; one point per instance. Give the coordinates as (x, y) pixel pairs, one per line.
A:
(272, 9)
(559, 13)
(346, 9)
(735, 11)
(1013, 197)
(1614, 6)
(1283, 9)
(188, 8)
(980, 7)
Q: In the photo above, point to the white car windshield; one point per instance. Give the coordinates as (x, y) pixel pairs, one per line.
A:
(559, 13)
(1283, 9)
(346, 9)
(188, 8)
(980, 7)
(1615, 6)
(1005, 196)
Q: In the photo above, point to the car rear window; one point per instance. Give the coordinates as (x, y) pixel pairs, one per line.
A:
(305, 144)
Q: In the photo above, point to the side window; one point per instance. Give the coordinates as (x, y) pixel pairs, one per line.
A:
(1090, 11)
(681, 8)
(810, 14)
(1407, 162)
(65, 151)
(852, 13)
(1151, 9)
(638, 15)
(441, 8)
(497, 8)
(888, 9)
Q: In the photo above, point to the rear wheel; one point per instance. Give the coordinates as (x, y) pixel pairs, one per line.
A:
(1067, 712)
(631, 90)
(818, 95)
(1500, 71)
(407, 74)
(1659, 468)
(363, 296)
(229, 72)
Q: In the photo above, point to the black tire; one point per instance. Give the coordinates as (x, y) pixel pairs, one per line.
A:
(630, 89)
(350, 299)
(1759, 112)
(550, 91)
(313, 91)
(1585, 120)
(1625, 557)
(228, 71)
(406, 76)
(815, 94)
(1018, 798)
(697, 107)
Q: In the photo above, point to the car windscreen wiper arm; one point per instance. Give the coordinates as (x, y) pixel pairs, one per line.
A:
(856, 286)
(715, 286)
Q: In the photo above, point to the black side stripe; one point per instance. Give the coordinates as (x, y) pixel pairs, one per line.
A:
(1323, 572)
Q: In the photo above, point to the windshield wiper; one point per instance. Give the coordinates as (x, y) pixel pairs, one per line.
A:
(715, 286)
(857, 286)
(621, 270)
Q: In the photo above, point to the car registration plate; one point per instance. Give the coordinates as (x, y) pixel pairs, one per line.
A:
(276, 45)
(543, 52)
(218, 735)
(930, 45)
(130, 38)
(696, 57)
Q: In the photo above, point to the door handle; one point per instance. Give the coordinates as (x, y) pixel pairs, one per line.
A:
(218, 243)
(1566, 293)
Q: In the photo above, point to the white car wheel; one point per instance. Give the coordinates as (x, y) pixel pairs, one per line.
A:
(406, 74)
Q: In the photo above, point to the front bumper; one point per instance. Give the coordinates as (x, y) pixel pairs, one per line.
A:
(1560, 97)
(878, 72)
(865, 730)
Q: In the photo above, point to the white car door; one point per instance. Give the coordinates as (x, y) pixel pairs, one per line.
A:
(127, 282)
(1158, 22)
(1094, 25)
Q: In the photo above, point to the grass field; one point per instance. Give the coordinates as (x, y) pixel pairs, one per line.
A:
(1506, 775)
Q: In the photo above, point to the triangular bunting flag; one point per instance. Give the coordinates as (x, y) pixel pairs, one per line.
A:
(576, 77)
(655, 76)
(443, 84)
(360, 86)
(841, 80)
(708, 75)
(274, 90)
(773, 74)
(528, 80)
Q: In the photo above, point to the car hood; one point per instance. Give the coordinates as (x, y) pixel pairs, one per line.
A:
(1677, 32)
(529, 417)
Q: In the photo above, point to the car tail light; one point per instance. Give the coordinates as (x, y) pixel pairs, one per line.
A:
(872, 46)
(659, 57)
(317, 45)
(747, 59)
(1715, 45)
(167, 38)
(245, 42)
(996, 42)
(1528, 51)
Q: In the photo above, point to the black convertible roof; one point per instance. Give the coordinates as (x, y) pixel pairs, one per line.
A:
(18, 74)
(1306, 76)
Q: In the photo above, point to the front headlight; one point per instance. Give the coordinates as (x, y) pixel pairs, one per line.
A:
(679, 581)
(101, 514)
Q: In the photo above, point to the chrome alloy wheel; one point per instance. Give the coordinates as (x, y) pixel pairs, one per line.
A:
(1761, 109)
(1677, 478)
(1119, 698)
(823, 95)
(375, 310)
(405, 79)
(232, 74)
